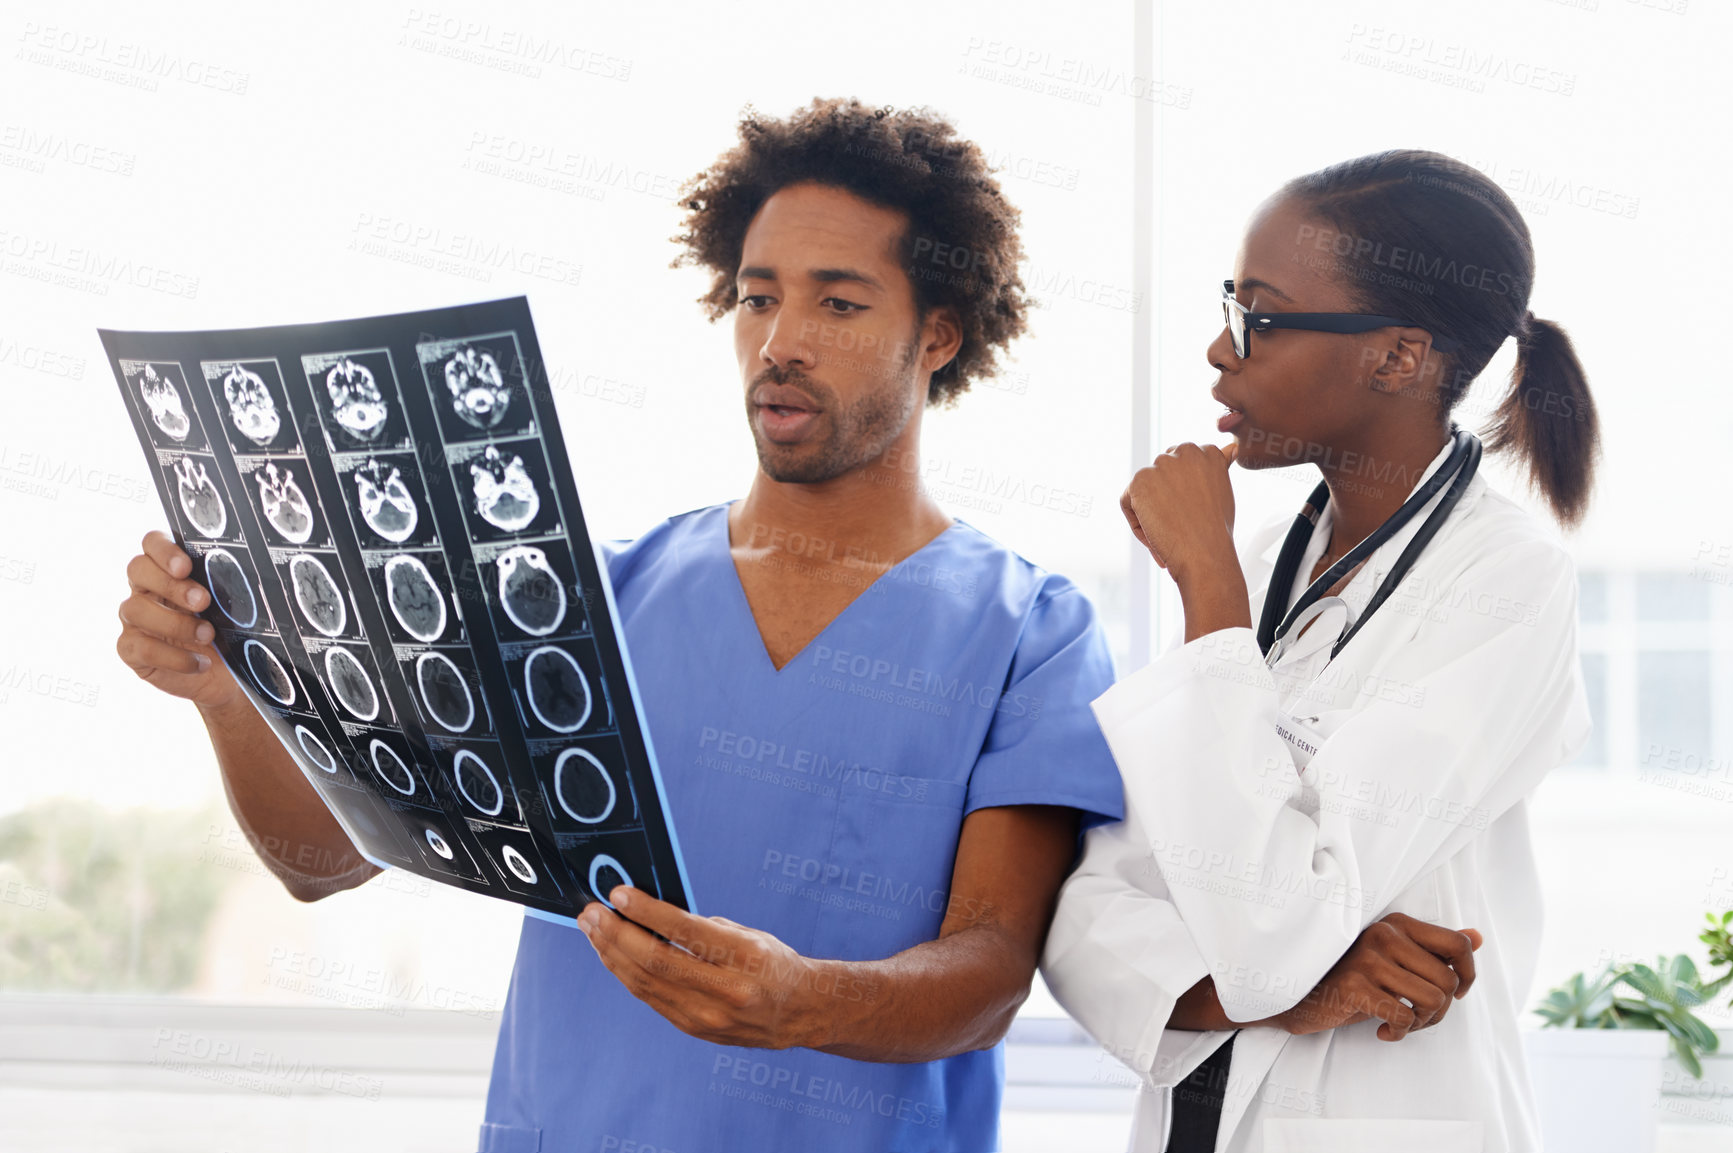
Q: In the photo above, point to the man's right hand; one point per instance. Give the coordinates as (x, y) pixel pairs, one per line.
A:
(162, 638)
(1394, 959)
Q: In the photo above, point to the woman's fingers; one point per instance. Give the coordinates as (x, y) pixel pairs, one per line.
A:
(1428, 1001)
(1131, 518)
(1453, 947)
(1431, 969)
(1427, 965)
(1370, 996)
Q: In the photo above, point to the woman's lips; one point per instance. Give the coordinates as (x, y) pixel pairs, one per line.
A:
(1230, 419)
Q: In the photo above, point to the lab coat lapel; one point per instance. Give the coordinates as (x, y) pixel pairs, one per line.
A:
(1255, 1051)
(1357, 594)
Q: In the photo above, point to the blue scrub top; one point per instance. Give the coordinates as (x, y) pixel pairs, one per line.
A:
(821, 803)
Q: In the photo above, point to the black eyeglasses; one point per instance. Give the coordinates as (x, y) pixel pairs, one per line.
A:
(1243, 322)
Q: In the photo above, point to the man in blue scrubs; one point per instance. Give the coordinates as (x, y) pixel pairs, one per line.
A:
(872, 720)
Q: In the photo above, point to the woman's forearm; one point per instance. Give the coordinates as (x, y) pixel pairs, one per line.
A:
(1214, 597)
(1199, 1009)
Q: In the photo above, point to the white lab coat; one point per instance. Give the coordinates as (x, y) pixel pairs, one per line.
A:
(1397, 782)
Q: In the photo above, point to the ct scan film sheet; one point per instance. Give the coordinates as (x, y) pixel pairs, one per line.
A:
(402, 582)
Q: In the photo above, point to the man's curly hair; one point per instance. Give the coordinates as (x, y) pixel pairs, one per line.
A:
(910, 160)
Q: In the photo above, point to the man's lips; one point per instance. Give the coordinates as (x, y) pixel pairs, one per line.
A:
(783, 413)
(784, 424)
(783, 396)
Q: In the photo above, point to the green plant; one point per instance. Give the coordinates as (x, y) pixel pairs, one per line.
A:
(1665, 994)
(1580, 1003)
(1719, 937)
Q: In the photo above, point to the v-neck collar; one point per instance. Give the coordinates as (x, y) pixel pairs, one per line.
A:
(744, 605)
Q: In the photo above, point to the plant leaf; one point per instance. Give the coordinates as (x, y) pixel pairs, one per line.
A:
(1688, 1059)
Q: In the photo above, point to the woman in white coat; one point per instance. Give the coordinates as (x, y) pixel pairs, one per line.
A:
(1362, 705)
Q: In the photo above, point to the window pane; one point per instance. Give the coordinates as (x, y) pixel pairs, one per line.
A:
(1671, 597)
(1594, 754)
(1592, 597)
(1673, 709)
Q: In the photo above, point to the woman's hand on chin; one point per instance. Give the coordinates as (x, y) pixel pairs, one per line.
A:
(1181, 508)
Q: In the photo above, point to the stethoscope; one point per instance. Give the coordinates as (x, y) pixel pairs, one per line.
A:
(1456, 471)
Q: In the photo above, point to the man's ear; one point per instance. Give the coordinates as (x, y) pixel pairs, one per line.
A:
(941, 338)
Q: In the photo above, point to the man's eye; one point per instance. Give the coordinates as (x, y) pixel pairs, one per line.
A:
(755, 301)
(844, 307)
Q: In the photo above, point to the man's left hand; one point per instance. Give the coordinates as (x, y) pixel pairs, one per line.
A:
(712, 978)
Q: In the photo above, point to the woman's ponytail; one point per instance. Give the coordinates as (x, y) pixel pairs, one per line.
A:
(1548, 418)
(1454, 256)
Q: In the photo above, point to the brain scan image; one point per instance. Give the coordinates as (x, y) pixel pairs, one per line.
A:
(477, 783)
(230, 590)
(315, 749)
(285, 505)
(349, 683)
(317, 594)
(415, 599)
(504, 494)
(386, 505)
(356, 402)
(518, 864)
(444, 692)
(436, 842)
(530, 591)
(478, 392)
(163, 400)
(391, 768)
(251, 407)
(583, 787)
(199, 498)
(605, 875)
(558, 691)
(269, 673)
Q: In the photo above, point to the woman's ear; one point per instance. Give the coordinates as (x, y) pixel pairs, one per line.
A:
(1410, 367)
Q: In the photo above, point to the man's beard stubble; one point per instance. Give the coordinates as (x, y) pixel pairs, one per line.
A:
(859, 433)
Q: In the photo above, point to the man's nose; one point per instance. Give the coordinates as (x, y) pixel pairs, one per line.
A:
(788, 343)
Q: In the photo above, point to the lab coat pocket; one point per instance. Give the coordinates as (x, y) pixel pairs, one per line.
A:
(1363, 1135)
(886, 884)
